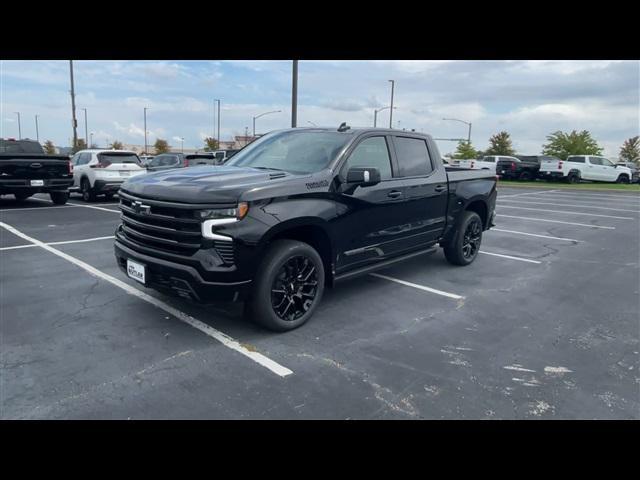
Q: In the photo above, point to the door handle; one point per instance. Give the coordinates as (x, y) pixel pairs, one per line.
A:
(394, 194)
(440, 188)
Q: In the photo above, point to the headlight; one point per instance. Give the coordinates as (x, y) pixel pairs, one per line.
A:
(237, 213)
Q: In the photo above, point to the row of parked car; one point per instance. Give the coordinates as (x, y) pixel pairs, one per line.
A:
(25, 169)
(573, 170)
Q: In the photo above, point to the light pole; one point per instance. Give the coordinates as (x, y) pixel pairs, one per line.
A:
(294, 94)
(37, 132)
(462, 121)
(375, 115)
(218, 136)
(91, 140)
(73, 108)
(19, 128)
(145, 129)
(86, 130)
(393, 83)
(262, 115)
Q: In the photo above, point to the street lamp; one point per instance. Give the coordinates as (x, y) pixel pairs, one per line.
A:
(145, 129)
(262, 115)
(86, 130)
(37, 132)
(462, 121)
(393, 83)
(375, 115)
(182, 144)
(91, 140)
(218, 136)
(19, 129)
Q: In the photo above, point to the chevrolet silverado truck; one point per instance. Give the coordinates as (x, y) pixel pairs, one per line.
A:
(25, 170)
(297, 211)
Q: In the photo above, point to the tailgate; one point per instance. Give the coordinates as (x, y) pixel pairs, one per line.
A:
(33, 167)
(550, 166)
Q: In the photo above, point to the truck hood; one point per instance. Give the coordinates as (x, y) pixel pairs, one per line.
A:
(207, 184)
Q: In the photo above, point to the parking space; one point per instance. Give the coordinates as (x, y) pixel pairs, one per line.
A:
(544, 324)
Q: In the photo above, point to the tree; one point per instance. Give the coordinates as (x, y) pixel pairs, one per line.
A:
(161, 146)
(116, 145)
(211, 144)
(49, 147)
(465, 150)
(500, 144)
(80, 145)
(562, 145)
(630, 150)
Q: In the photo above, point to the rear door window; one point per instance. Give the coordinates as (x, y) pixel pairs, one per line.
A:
(595, 161)
(413, 157)
(576, 159)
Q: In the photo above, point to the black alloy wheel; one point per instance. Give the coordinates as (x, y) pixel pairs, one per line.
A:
(471, 239)
(294, 288)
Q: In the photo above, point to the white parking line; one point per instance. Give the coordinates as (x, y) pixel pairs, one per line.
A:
(630, 196)
(419, 287)
(31, 245)
(521, 194)
(534, 235)
(510, 257)
(226, 340)
(558, 204)
(564, 211)
(618, 201)
(556, 221)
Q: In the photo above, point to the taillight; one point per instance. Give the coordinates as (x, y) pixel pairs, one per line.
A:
(473, 164)
(559, 164)
(186, 162)
(70, 167)
(513, 166)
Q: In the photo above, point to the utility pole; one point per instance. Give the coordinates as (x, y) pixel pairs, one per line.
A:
(294, 95)
(391, 108)
(19, 128)
(86, 130)
(37, 132)
(73, 108)
(145, 130)
(214, 120)
(218, 137)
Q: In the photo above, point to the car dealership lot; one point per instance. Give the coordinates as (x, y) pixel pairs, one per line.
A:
(544, 324)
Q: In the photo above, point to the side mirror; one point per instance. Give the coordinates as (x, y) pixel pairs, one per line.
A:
(363, 176)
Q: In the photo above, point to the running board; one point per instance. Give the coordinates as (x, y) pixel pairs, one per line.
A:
(384, 263)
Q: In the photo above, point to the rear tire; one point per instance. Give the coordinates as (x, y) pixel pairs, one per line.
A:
(573, 178)
(464, 246)
(88, 195)
(59, 198)
(525, 176)
(288, 286)
(21, 197)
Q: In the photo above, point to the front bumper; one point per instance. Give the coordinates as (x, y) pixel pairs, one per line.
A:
(181, 280)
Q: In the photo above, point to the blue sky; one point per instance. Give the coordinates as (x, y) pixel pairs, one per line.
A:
(529, 99)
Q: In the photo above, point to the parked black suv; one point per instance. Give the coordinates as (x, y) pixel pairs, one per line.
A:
(298, 210)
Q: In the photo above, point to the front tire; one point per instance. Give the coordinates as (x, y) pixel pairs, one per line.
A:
(623, 179)
(288, 286)
(525, 176)
(573, 178)
(59, 198)
(465, 244)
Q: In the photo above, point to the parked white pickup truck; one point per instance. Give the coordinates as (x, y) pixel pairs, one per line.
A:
(487, 163)
(584, 167)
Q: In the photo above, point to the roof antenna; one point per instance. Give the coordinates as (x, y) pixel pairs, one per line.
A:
(343, 127)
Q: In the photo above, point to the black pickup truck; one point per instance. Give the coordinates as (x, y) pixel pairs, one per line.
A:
(25, 169)
(296, 211)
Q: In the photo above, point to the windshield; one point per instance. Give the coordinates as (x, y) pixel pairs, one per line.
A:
(292, 151)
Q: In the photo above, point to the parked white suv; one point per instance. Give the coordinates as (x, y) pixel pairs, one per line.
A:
(584, 167)
(101, 172)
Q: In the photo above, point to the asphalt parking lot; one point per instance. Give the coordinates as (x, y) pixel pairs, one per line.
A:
(543, 325)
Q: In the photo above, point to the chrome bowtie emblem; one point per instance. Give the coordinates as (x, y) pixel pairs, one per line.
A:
(140, 207)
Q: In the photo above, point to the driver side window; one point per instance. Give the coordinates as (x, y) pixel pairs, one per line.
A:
(372, 152)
